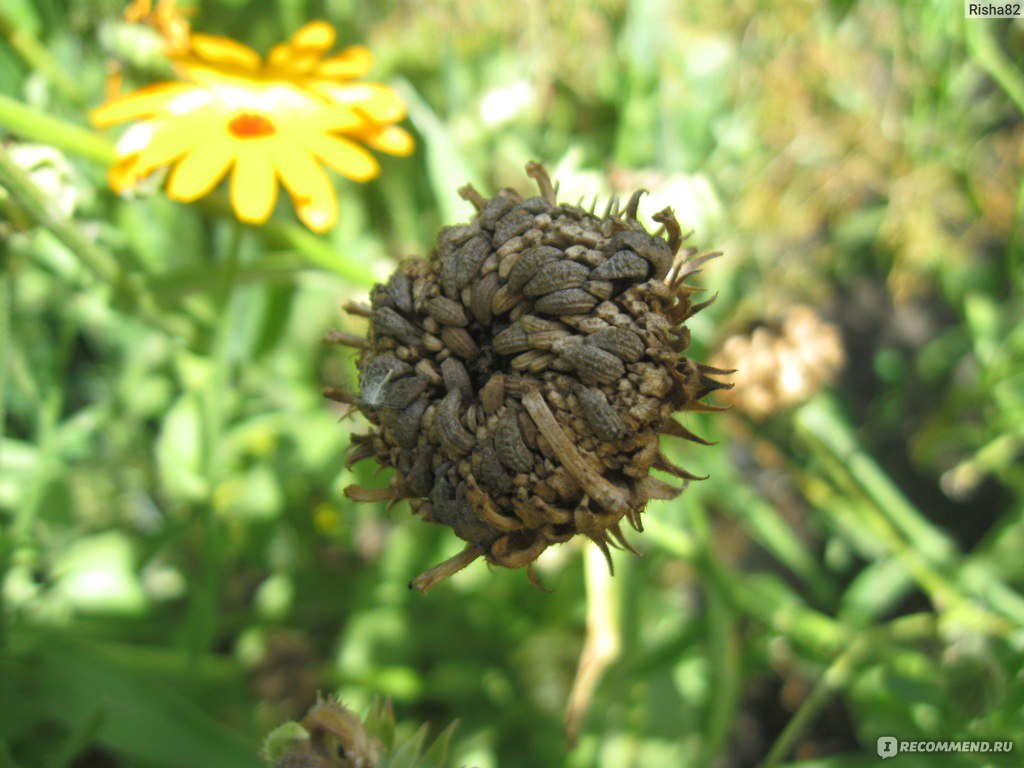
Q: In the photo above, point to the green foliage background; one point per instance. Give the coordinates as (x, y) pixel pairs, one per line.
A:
(180, 569)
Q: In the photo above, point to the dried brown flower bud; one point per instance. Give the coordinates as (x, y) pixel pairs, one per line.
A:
(518, 378)
(780, 365)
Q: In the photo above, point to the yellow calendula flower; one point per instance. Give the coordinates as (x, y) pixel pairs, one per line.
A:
(282, 119)
(165, 18)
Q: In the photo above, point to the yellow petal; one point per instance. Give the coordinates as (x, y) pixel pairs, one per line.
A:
(144, 102)
(376, 102)
(307, 183)
(200, 171)
(318, 35)
(299, 61)
(224, 51)
(253, 184)
(390, 139)
(123, 175)
(279, 56)
(351, 62)
(346, 157)
(172, 138)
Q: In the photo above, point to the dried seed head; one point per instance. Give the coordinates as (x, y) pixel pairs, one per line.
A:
(518, 378)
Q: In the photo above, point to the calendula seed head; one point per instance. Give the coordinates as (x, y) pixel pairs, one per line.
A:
(518, 378)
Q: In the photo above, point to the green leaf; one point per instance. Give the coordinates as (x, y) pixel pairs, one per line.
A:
(62, 679)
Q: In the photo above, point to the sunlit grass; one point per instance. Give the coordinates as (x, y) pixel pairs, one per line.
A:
(181, 570)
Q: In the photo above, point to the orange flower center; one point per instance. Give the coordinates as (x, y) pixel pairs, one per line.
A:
(251, 126)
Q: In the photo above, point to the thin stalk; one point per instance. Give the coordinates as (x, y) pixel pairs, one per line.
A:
(204, 617)
(100, 262)
(822, 423)
(38, 57)
(838, 676)
(26, 122)
(991, 58)
(926, 553)
(5, 361)
(604, 639)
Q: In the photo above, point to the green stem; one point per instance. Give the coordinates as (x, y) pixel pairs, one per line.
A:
(24, 190)
(831, 682)
(26, 122)
(128, 290)
(838, 675)
(927, 554)
(38, 58)
(203, 611)
(990, 57)
(5, 361)
(820, 421)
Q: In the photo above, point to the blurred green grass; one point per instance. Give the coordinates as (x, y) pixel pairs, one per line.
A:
(181, 571)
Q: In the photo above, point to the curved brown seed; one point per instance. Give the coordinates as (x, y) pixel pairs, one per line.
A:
(532, 361)
(482, 296)
(452, 508)
(388, 322)
(469, 258)
(571, 301)
(492, 394)
(541, 333)
(583, 469)
(446, 311)
(454, 437)
(602, 289)
(495, 208)
(399, 290)
(620, 342)
(406, 423)
(493, 476)
(600, 414)
(399, 394)
(511, 340)
(595, 366)
(528, 264)
(459, 342)
(653, 249)
(458, 268)
(509, 445)
(421, 474)
(513, 223)
(456, 377)
(504, 300)
(556, 277)
(624, 265)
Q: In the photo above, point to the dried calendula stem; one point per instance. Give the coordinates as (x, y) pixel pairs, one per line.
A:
(518, 378)
(442, 571)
